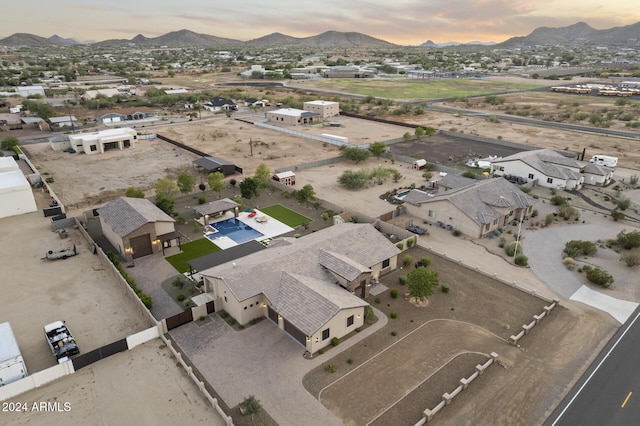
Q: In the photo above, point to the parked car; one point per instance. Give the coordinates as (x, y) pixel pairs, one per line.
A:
(417, 230)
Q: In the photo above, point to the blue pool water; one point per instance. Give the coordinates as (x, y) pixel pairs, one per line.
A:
(234, 229)
(400, 196)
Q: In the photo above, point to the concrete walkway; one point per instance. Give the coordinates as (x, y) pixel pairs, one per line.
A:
(263, 361)
(544, 248)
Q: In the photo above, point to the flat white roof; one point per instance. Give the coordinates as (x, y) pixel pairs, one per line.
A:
(8, 345)
(322, 103)
(293, 112)
(13, 180)
(104, 133)
(285, 174)
(8, 164)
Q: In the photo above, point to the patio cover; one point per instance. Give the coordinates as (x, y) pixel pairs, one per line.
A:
(217, 206)
(223, 256)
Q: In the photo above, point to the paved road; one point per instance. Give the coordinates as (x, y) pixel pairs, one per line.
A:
(609, 391)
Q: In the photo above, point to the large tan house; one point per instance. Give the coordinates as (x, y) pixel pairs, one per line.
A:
(293, 116)
(310, 287)
(326, 109)
(474, 207)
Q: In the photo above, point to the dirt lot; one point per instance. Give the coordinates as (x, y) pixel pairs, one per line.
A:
(528, 383)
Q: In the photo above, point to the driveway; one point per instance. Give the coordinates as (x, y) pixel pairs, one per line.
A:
(263, 361)
(544, 248)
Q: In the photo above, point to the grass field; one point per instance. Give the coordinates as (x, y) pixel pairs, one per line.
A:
(286, 216)
(422, 89)
(191, 251)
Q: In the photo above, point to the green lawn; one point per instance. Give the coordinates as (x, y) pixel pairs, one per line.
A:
(284, 215)
(190, 251)
(421, 89)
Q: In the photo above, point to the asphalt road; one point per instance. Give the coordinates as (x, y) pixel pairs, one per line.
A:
(609, 391)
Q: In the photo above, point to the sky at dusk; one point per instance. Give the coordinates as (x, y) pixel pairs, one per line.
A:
(405, 22)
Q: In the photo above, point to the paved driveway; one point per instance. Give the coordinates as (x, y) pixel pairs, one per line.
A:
(263, 361)
(544, 248)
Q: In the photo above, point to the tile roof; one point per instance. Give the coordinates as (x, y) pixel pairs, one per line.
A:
(361, 243)
(548, 162)
(596, 169)
(216, 206)
(126, 214)
(309, 303)
(478, 201)
(341, 265)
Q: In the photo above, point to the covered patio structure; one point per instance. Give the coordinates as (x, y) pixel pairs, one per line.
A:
(216, 209)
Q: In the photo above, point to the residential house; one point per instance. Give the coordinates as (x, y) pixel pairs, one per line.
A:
(597, 175)
(118, 117)
(217, 164)
(64, 121)
(293, 116)
(92, 94)
(16, 196)
(545, 166)
(136, 227)
(101, 141)
(475, 209)
(325, 109)
(218, 104)
(255, 103)
(310, 287)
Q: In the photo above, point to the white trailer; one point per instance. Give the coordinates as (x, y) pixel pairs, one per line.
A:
(12, 366)
(604, 160)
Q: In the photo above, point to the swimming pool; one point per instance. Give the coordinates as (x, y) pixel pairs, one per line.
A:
(233, 229)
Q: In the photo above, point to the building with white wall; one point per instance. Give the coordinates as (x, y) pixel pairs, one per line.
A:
(103, 140)
(16, 196)
(293, 116)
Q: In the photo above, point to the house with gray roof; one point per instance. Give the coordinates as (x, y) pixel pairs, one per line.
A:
(312, 287)
(545, 166)
(475, 209)
(136, 227)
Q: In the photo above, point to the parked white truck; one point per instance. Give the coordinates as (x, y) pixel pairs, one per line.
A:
(12, 366)
(61, 341)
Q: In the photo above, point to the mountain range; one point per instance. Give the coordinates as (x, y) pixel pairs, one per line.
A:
(579, 34)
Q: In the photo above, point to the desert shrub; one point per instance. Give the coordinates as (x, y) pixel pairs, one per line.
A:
(630, 258)
(568, 213)
(330, 368)
(521, 260)
(446, 288)
(575, 248)
(410, 242)
(335, 341)
(369, 315)
(628, 240)
(394, 293)
(548, 219)
(393, 315)
(424, 262)
(616, 215)
(502, 242)
(598, 276)
(558, 200)
(623, 203)
(394, 333)
(456, 232)
(350, 361)
(180, 297)
(510, 250)
(407, 260)
(377, 300)
(402, 279)
(400, 246)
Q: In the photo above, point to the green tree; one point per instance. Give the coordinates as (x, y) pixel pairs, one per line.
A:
(216, 182)
(250, 406)
(377, 149)
(422, 282)
(427, 175)
(406, 137)
(355, 154)
(419, 132)
(430, 131)
(380, 174)
(165, 204)
(41, 109)
(306, 194)
(263, 176)
(186, 182)
(166, 188)
(9, 142)
(134, 192)
(353, 180)
(249, 188)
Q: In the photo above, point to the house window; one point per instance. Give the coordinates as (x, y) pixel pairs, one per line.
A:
(549, 180)
(225, 298)
(350, 321)
(386, 263)
(530, 175)
(93, 148)
(325, 334)
(432, 213)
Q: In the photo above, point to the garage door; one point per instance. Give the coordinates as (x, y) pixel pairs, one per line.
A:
(141, 245)
(273, 315)
(295, 333)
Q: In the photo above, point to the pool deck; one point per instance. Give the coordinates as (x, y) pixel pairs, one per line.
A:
(270, 228)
